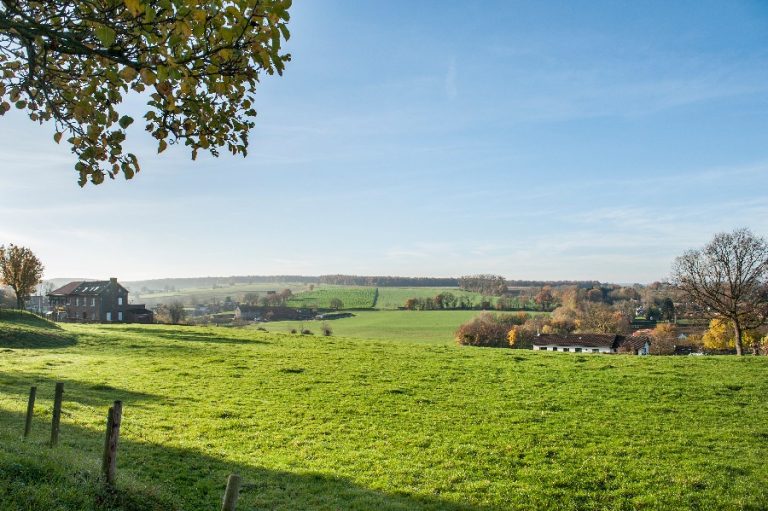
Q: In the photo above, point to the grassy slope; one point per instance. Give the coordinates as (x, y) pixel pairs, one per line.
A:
(317, 423)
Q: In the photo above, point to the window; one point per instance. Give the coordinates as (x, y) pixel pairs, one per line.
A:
(577, 350)
(119, 300)
(119, 315)
(77, 302)
(543, 348)
(595, 350)
(566, 349)
(109, 316)
(93, 302)
(554, 348)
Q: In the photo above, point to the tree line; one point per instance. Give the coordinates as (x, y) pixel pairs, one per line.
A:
(387, 281)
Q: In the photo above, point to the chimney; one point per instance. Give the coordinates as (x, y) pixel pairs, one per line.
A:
(113, 280)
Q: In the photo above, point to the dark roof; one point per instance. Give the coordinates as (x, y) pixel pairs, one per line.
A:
(65, 289)
(249, 308)
(587, 340)
(89, 288)
(614, 341)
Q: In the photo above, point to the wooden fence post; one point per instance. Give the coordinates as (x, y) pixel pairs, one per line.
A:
(109, 461)
(30, 411)
(56, 414)
(231, 493)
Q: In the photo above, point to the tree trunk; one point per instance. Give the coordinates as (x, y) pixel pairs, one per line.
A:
(19, 302)
(737, 331)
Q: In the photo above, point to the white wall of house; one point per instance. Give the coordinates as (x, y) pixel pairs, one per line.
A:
(571, 349)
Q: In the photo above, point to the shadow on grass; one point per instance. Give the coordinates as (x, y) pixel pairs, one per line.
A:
(85, 393)
(155, 477)
(205, 336)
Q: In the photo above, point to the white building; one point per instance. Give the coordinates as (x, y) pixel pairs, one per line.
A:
(592, 343)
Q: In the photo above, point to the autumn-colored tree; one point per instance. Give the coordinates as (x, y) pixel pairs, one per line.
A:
(487, 329)
(595, 295)
(718, 336)
(545, 298)
(73, 62)
(728, 279)
(664, 339)
(569, 297)
(21, 270)
(600, 318)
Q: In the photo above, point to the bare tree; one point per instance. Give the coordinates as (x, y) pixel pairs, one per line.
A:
(21, 270)
(728, 278)
(176, 312)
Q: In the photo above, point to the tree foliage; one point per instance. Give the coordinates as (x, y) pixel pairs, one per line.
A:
(21, 270)
(176, 312)
(494, 285)
(490, 330)
(74, 61)
(728, 279)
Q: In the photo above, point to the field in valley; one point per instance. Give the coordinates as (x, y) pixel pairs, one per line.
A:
(321, 423)
(387, 325)
(352, 297)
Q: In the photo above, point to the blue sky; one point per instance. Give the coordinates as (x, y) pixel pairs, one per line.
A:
(572, 140)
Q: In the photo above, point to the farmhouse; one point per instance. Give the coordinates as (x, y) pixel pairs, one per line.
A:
(592, 343)
(99, 301)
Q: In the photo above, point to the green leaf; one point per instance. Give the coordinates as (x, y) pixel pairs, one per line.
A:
(125, 121)
(57, 136)
(106, 35)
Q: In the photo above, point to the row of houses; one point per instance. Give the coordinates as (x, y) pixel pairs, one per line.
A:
(101, 301)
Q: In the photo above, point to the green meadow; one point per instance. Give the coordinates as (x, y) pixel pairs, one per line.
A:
(351, 298)
(341, 423)
(388, 325)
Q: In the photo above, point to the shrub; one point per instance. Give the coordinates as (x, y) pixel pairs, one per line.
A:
(664, 339)
(327, 331)
(488, 329)
(306, 331)
(294, 331)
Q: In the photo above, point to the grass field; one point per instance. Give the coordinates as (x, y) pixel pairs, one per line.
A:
(206, 294)
(394, 297)
(320, 296)
(413, 326)
(319, 423)
(351, 297)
